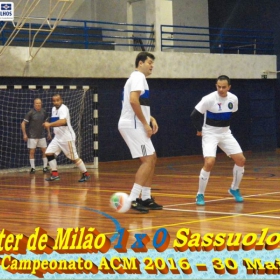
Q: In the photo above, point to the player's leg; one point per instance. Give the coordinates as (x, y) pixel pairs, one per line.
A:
(85, 175)
(209, 148)
(238, 172)
(144, 174)
(144, 177)
(141, 147)
(31, 145)
(51, 151)
(146, 189)
(70, 151)
(42, 143)
(231, 147)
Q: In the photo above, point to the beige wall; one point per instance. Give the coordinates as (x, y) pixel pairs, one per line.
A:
(72, 63)
(118, 64)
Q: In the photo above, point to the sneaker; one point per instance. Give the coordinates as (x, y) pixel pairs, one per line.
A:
(200, 199)
(32, 171)
(149, 204)
(45, 170)
(236, 194)
(84, 178)
(53, 178)
(135, 205)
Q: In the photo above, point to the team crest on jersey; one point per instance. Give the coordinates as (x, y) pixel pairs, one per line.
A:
(230, 105)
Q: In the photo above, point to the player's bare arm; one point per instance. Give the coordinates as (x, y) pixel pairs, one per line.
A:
(154, 125)
(49, 136)
(25, 137)
(135, 104)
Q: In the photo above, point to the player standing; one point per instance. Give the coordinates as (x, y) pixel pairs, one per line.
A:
(136, 126)
(34, 133)
(64, 139)
(217, 108)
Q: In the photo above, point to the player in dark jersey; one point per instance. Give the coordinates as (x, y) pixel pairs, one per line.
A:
(34, 133)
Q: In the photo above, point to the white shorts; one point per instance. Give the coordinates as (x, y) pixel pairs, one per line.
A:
(68, 148)
(138, 142)
(34, 143)
(225, 141)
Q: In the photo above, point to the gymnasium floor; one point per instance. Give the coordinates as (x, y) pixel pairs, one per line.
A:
(28, 201)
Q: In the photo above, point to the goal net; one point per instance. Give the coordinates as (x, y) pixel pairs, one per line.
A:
(17, 101)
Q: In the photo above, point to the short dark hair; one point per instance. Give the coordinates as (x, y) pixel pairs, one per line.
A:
(142, 56)
(57, 95)
(224, 78)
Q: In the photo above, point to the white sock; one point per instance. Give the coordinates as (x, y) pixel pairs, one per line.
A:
(237, 176)
(203, 180)
(146, 193)
(53, 165)
(45, 161)
(80, 164)
(135, 192)
(32, 163)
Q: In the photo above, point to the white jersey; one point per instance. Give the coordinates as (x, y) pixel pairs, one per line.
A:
(63, 133)
(217, 112)
(136, 82)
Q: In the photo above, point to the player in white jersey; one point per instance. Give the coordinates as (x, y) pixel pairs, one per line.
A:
(64, 139)
(217, 108)
(136, 126)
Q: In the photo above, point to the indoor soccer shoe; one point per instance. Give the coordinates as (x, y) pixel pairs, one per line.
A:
(32, 171)
(84, 178)
(45, 170)
(200, 199)
(135, 205)
(236, 194)
(53, 178)
(149, 204)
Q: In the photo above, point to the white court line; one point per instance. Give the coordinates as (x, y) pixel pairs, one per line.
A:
(223, 213)
(225, 198)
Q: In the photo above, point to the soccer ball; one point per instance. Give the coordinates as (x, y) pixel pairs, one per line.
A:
(120, 202)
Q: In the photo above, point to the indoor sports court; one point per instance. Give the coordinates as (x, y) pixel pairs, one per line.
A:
(85, 50)
(28, 201)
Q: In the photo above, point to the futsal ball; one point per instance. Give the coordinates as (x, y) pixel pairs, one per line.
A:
(120, 202)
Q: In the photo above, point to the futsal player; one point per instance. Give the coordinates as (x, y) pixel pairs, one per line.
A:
(64, 140)
(214, 111)
(136, 126)
(34, 133)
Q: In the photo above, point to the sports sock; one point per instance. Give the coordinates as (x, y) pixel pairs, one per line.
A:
(203, 180)
(238, 172)
(80, 164)
(53, 165)
(135, 192)
(45, 162)
(32, 163)
(146, 193)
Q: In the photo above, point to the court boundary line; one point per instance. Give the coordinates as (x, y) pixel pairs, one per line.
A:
(222, 199)
(227, 213)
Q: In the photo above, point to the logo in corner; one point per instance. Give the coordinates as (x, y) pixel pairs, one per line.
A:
(230, 105)
(7, 11)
